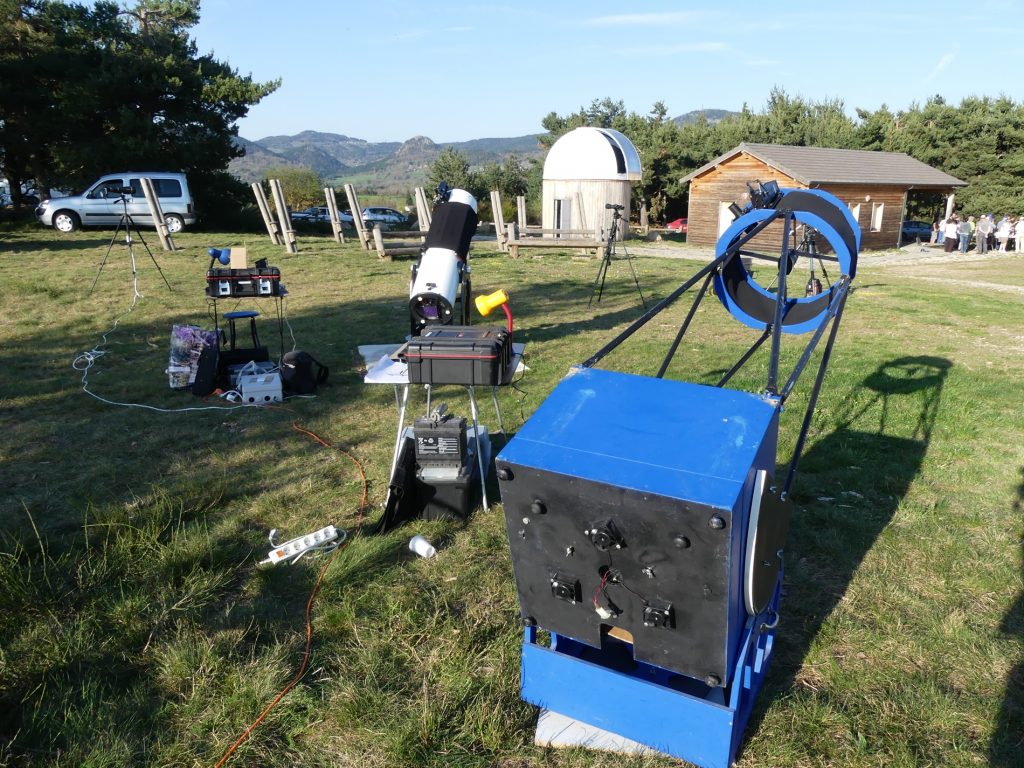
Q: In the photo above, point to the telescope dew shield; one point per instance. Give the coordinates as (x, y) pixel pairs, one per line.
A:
(453, 224)
(440, 269)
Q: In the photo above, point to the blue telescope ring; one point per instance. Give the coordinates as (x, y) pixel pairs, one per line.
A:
(752, 304)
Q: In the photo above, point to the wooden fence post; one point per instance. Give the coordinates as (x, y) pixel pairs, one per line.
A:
(268, 220)
(499, 220)
(282, 216)
(521, 210)
(422, 209)
(357, 216)
(332, 210)
(158, 214)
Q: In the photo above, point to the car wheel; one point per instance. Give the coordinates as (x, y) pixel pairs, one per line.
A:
(174, 223)
(66, 221)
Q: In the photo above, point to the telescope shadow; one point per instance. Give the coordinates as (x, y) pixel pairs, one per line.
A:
(850, 485)
(1007, 746)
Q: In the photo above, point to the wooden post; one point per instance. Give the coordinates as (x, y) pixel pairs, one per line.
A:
(521, 210)
(282, 217)
(422, 209)
(332, 210)
(357, 216)
(378, 241)
(499, 221)
(268, 220)
(644, 221)
(157, 212)
(513, 240)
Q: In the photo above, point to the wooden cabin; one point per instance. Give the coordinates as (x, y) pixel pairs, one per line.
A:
(874, 185)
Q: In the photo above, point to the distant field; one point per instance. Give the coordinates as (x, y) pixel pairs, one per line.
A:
(136, 628)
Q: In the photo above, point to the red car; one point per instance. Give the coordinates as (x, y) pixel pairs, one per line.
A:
(679, 225)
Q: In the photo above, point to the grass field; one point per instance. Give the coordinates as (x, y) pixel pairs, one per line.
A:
(136, 628)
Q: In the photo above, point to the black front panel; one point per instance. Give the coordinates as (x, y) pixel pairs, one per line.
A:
(669, 561)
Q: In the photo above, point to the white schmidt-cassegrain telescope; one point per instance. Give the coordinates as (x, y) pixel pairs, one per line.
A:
(440, 278)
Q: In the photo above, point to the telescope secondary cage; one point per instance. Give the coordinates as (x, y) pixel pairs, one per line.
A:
(645, 524)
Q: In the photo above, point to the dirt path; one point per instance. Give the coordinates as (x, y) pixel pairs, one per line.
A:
(908, 255)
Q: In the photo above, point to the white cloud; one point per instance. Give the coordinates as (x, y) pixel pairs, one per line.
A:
(945, 61)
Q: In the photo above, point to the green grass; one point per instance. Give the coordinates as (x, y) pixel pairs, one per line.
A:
(136, 628)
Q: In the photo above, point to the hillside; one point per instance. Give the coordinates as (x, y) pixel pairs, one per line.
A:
(390, 167)
(713, 116)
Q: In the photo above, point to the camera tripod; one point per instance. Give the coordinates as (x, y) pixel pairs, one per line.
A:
(809, 247)
(609, 253)
(129, 225)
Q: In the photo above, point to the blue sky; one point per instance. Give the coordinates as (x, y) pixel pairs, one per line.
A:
(453, 71)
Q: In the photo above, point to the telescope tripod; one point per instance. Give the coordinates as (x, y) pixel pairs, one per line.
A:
(609, 254)
(129, 225)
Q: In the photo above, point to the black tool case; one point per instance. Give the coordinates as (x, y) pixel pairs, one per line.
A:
(459, 354)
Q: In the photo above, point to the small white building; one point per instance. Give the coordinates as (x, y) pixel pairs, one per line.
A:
(585, 170)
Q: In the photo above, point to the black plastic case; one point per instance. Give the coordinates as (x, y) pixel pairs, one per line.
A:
(459, 354)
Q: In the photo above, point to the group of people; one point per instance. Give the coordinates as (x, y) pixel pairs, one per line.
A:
(957, 233)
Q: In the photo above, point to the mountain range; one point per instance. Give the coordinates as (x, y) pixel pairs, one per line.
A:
(387, 166)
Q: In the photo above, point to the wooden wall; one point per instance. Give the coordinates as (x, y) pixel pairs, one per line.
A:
(728, 182)
(595, 193)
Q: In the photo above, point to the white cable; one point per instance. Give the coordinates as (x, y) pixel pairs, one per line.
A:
(86, 360)
(284, 306)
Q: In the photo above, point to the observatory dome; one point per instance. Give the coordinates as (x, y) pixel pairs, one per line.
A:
(593, 153)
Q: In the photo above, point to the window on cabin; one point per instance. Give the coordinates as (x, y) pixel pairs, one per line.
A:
(876, 216)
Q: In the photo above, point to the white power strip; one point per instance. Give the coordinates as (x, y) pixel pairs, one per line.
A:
(297, 547)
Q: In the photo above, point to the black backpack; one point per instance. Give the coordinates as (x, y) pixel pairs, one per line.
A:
(297, 376)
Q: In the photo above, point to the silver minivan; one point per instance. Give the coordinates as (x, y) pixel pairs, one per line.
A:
(105, 200)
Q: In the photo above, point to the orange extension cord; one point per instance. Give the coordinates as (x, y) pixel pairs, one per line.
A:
(312, 595)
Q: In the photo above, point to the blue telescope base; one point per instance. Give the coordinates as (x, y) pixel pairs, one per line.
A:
(670, 713)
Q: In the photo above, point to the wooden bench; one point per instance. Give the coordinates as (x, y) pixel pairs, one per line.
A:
(536, 237)
(387, 252)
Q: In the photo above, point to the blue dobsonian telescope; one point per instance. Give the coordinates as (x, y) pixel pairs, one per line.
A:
(645, 522)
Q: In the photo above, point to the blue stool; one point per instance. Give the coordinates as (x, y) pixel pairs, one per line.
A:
(252, 314)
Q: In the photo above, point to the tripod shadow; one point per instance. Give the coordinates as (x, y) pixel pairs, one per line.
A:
(849, 486)
(1007, 746)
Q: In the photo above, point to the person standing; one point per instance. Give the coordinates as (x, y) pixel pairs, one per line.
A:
(982, 233)
(963, 231)
(1003, 233)
(950, 237)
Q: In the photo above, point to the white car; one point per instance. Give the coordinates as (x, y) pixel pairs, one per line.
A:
(111, 196)
(386, 217)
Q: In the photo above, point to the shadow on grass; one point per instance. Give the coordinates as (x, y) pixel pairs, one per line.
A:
(849, 487)
(1007, 747)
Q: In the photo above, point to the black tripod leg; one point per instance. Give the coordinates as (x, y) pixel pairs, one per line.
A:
(602, 272)
(145, 245)
(636, 282)
(105, 256)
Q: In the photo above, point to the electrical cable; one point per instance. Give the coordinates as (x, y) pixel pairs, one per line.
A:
(312, 595)
(84, 361)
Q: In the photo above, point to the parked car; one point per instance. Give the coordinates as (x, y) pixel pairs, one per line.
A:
(101, 203)
(679, 225)
(384, 216)
(911, 230)
(321, 213)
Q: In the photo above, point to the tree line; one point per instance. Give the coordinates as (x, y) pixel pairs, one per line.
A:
(980, 141)
(85, 89)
